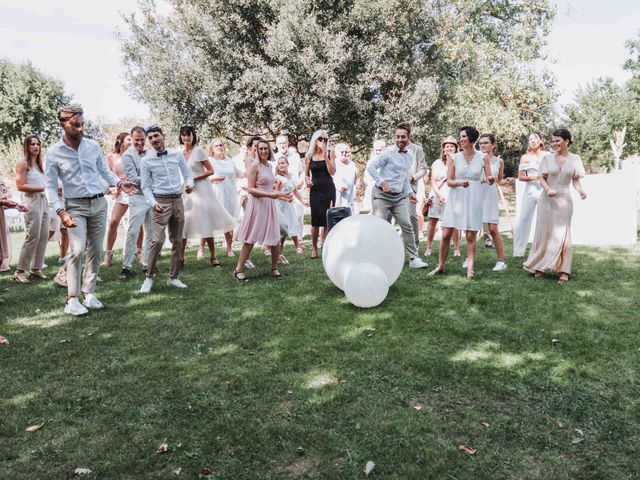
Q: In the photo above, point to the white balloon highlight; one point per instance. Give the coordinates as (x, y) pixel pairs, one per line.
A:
(366, 285)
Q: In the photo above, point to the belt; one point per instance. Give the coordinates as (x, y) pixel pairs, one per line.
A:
(393, 194)
(93, 197)
(170, 195)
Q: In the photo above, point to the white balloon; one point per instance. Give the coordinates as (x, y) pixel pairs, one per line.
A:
(366, 285)
(362, 239)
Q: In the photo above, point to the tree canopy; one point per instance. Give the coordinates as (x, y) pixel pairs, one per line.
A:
(29, 100)
(603, 107)
(354, 67)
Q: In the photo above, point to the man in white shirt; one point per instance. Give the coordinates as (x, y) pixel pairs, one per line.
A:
(392, 192)
(161, 173)
(79, 164)
(139, 210)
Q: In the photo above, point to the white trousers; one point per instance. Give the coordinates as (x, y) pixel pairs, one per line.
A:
(140, 213)
(530, 197)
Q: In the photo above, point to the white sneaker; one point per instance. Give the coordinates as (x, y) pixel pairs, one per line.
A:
(249, 264)
(90, 301)
(146, 285)
(499, 266)
(416, 262)
(174, 282)
(465, 263)
(74, 307)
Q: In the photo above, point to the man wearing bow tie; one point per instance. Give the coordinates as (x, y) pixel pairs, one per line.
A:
(139, 209)
(393, 193)
(79, 164)
(161, 171)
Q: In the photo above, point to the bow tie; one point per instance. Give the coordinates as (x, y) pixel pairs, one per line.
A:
(162, 153)
(402, 151)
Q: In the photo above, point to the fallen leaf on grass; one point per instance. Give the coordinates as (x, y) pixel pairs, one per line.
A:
(66, 340)
(300, 451)
(368, 468)
(554, 341)
(162, 448)
(579, 432)
(417, 407)
(577, 440)
(82, 471)
(3, 341)
(205, 470)
(484, 424)
(177, 471)
(33, 428)
(467, 450)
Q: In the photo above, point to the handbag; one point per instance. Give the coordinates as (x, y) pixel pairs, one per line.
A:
(429, 201)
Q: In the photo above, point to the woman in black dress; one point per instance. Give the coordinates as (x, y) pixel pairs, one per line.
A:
(319, 167)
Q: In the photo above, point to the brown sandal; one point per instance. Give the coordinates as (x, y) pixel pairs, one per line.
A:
(214, 262)
(275, 273)
(236, 275)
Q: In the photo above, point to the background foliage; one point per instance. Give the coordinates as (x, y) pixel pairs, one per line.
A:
(354, 67)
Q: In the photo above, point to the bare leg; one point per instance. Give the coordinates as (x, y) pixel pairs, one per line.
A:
(228, 237)
(497, 241)
(444, 247)
(184, 247)
(116, 215)
(212, 247)
(456, 242)
(275, 254)
(325, 231)
(314, 241)
(431, 232)
(242, 258)
(471, 236)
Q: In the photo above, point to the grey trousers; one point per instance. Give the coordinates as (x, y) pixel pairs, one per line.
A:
(36, 222)
(396, 206)
(173, 218)
(140, 213)
(85, 240)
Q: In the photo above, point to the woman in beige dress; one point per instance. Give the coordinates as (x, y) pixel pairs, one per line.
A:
(552, 249)
(30, 181)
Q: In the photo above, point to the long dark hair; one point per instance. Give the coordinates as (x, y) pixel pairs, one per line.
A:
(27, 155)
(188, 130)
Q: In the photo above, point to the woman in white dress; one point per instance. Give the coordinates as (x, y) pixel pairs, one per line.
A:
(290, 222)
(439, 193)
(204, 215)
(345, 178)
(119, 197)
(491, 199)
(463, 210)
(369, 182)
(528, 173)
(225, 187)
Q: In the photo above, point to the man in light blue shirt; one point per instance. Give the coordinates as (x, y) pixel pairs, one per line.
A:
(392, 192)
(79, 164)
(161, 174)
(140, 212)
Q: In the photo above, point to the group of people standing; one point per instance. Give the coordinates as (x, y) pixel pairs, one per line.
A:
(255, 198)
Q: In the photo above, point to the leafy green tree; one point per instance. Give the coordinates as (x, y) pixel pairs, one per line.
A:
(29, 100)
(354, 67)
(604, 107)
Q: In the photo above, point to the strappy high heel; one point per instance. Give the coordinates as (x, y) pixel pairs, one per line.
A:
(214, 262)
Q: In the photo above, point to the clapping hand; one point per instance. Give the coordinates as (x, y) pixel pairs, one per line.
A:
(551, 192)
(465, 184)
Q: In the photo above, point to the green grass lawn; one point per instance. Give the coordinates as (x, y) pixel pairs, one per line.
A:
(286, 379)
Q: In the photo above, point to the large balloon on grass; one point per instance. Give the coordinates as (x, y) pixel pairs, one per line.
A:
(358, 240)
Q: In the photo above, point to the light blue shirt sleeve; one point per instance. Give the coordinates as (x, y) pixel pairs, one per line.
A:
(145, 174)
(51, 173)
(375, 166)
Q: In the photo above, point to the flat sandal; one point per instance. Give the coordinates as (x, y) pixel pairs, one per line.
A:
(214, 262)
(236, 275)
(275, 273)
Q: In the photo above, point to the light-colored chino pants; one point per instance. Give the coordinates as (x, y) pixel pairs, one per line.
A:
(85, 240)
(36, 222)
(530, 198)
(140, 213)
(396, 206)
(172, 217)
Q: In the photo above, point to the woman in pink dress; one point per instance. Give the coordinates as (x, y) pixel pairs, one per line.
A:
(260, 223)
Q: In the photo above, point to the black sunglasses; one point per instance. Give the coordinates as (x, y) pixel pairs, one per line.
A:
(323, 139)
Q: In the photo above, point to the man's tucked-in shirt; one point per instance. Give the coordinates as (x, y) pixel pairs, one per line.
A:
(79, 171)
(393, 167)
(132, 165)
(161, 174)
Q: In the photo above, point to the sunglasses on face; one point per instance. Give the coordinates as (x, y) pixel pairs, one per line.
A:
(218, 146)
(323, 139)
